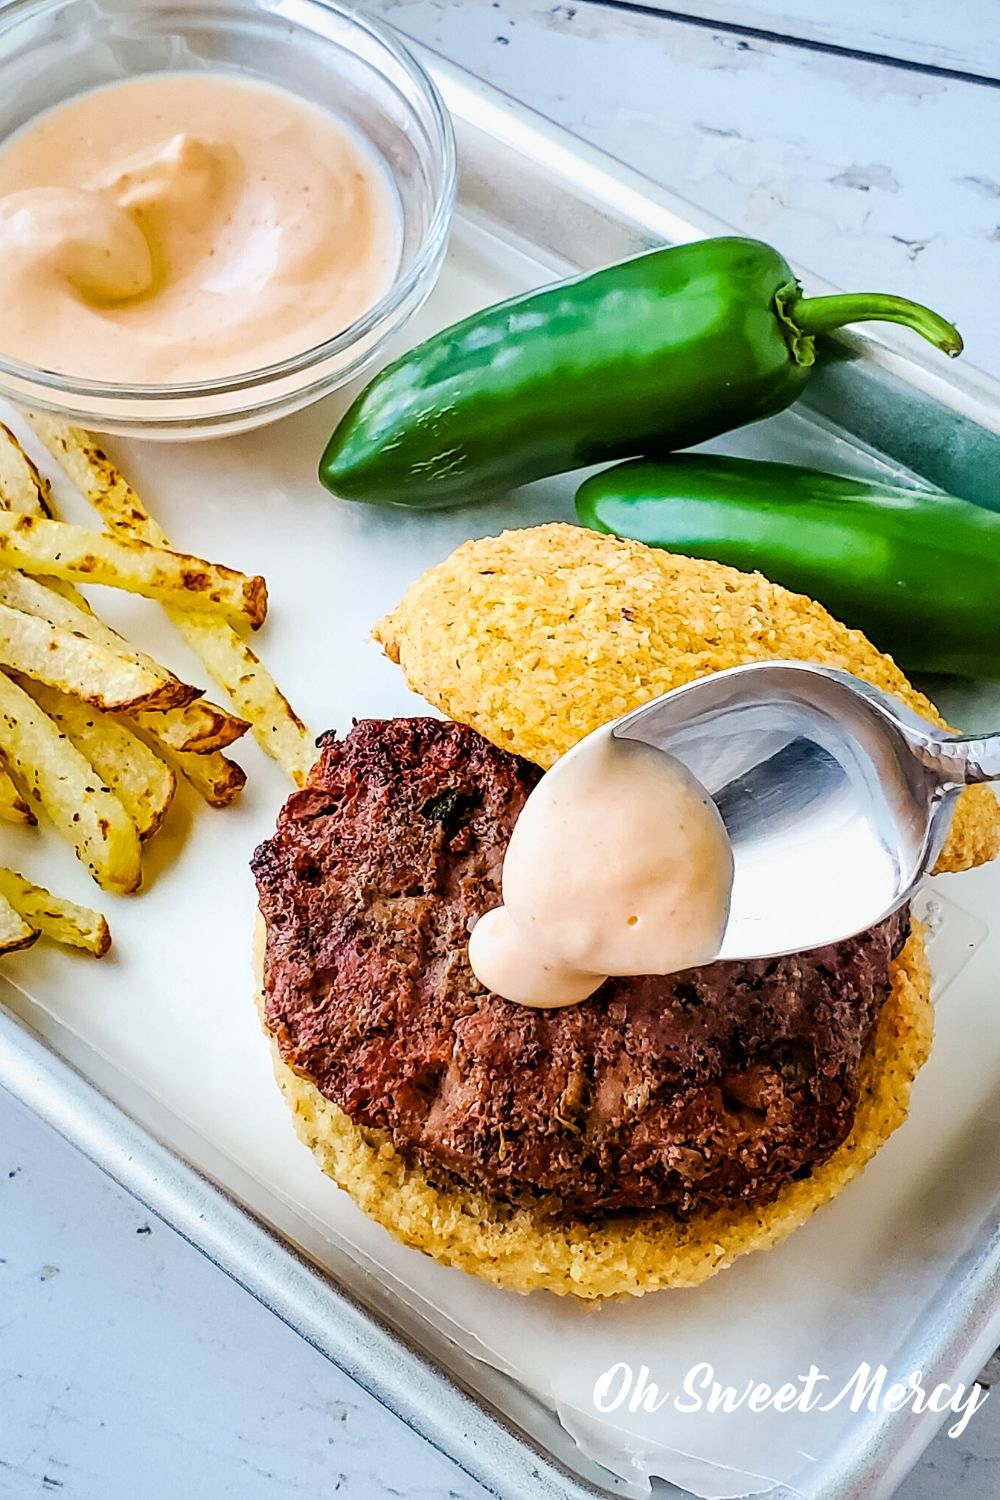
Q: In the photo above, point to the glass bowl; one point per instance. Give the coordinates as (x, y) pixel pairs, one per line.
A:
(53, 49)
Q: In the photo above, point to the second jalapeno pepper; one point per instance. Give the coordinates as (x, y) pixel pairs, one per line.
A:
(918, 571)
(658, 353)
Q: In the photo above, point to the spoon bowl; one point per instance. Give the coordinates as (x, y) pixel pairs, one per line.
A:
(836, 797)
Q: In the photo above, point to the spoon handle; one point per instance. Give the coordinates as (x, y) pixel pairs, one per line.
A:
(960, 762)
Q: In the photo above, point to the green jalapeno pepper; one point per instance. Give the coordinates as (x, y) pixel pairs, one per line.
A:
(660, 352)
(918, 572)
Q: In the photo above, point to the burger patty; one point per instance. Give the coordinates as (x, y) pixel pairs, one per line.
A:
(683, 1092)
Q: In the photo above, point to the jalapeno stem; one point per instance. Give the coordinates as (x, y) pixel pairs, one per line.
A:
(812, 315)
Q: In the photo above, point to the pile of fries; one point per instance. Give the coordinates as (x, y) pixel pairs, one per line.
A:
(93, 732)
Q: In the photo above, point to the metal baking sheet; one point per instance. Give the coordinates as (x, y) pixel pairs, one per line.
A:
(533, 201)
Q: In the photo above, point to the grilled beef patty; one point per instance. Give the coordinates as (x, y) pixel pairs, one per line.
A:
(686, 1092)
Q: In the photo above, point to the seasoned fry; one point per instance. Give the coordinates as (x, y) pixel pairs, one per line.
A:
(58, 548)
(45, 597)
(62, 921)
(197, 726)
(72, 662)
(93, 730)
(215, 777)
(14, 930)
(254, 693)
(65, 785)
(144, 784)
(13, 808)
(241, 674)
(21, 486)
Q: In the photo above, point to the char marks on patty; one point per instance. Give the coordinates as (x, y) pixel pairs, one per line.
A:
(684, 1092)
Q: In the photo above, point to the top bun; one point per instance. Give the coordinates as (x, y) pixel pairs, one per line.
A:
(537, 637)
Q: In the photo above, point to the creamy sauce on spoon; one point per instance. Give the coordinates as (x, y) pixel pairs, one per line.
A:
(619, 864)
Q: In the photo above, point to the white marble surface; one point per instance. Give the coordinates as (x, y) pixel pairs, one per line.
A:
(128, 1366)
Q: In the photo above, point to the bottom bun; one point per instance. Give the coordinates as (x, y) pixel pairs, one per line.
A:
(631, 1253)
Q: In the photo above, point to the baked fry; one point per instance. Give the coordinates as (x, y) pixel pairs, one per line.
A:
(62, 550)
(13, 808)
(199, 725)
(215, 777)
(61, 604)
(50, 599)
(143, 782)
(15, 933)
(230, 662)
(65, 785)
(22, 487)
(73, 663)
(63, 921)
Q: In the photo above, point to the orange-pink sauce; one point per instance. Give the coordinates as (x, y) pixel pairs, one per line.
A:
(187, 226)
(618, 864)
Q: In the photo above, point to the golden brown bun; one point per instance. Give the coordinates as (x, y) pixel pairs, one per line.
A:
(536, 637)
(632, 1253)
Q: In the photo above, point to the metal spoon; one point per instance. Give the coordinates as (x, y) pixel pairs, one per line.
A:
(836, 797)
